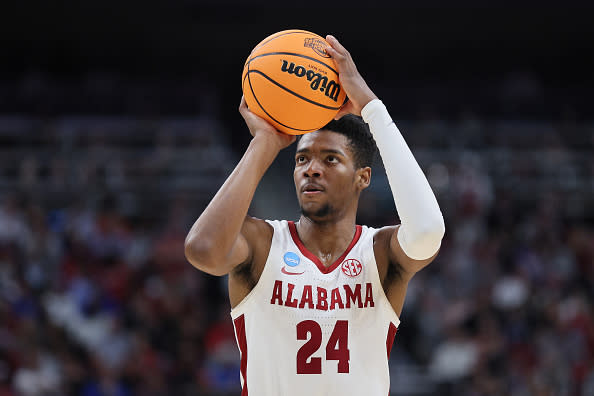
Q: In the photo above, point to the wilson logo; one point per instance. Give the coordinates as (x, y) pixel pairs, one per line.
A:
(319, 46)
(317, 81)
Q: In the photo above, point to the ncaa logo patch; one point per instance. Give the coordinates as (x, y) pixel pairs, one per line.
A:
(351, 267)
(292, 261)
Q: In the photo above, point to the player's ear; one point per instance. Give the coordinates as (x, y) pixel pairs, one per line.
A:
(363, 177)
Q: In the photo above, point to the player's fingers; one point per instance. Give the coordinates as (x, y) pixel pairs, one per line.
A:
(343, 61)
(243, 109)
(336, 45)
(336, 55)
(339, 58)
(339, 115)
(347, 108)
(332, 52)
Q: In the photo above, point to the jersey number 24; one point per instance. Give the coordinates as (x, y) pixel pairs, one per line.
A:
(336, 349)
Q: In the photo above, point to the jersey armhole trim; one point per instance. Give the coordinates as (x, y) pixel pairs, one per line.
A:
(396, 318)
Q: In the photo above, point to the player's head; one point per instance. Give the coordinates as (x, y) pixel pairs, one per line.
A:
(360, 139)
(332, 167)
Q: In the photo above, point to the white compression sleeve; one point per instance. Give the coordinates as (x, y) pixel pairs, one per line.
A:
(422, 226)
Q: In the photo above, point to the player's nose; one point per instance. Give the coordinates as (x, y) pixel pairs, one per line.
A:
(313, 169)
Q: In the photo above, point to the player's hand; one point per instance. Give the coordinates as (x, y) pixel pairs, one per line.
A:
(351, 81)
(261, 129)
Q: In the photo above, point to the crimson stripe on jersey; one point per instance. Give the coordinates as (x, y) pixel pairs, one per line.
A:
(313, 257)
(242, 342)
(390, 339)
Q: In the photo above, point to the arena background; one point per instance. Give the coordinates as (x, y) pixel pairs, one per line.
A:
(118, 122)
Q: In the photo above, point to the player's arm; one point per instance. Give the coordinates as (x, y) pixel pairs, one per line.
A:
(224, 236)
(416, 241)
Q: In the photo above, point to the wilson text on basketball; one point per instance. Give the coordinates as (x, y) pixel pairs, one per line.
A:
(330, 88)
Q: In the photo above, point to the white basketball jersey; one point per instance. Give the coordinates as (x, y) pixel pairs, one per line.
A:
(309, 330)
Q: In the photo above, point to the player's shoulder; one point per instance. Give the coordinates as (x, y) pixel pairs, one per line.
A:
(258, 233)
(383, 235)
(257, 230)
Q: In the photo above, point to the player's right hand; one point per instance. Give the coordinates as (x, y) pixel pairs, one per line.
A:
(262, 129)
(356, 88)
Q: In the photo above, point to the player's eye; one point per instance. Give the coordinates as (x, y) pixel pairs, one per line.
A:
(332, 159)
(300, 159)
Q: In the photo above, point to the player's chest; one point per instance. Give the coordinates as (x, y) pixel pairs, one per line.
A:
(298, 282)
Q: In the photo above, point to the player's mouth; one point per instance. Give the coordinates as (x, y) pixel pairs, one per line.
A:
(312, 189)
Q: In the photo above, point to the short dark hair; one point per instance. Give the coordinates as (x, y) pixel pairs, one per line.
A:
(360, 139)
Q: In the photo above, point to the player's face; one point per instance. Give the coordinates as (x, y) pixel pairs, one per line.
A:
(325, 176)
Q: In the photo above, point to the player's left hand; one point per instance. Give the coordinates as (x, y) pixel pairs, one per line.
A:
(356, 88)
(262, 130)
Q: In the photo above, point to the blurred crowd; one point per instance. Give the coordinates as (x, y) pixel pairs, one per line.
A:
(507, 307)
(97, 298)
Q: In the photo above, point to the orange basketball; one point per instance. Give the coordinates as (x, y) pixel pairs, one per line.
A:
(292, 82)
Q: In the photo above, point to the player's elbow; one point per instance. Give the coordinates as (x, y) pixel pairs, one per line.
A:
(424, 241)
(435, 230)
(199, 253)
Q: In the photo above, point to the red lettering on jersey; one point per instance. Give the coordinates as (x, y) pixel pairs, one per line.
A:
(306, 297)
(336, 299)
(354, 297)
(290, 301)
(369, 295)
(322, 299)
(277, 293)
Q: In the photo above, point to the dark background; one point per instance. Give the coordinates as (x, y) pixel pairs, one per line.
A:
(118, 123)
(446, 52)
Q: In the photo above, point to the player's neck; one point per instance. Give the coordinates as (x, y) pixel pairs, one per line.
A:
(327, 240)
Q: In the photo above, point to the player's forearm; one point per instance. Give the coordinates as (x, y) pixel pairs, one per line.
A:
(214, 233)
(422, 226)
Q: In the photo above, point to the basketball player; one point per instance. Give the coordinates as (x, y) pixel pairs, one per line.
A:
(316, 303)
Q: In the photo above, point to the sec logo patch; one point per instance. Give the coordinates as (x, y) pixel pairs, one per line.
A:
(351, 267)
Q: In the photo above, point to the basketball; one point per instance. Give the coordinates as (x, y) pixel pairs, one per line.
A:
(292, 82)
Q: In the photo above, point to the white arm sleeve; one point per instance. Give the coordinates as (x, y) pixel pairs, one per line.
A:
(422, 226)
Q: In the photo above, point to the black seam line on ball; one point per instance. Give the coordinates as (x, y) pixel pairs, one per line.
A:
(291, 92)
(294, 54)
(247, 75)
